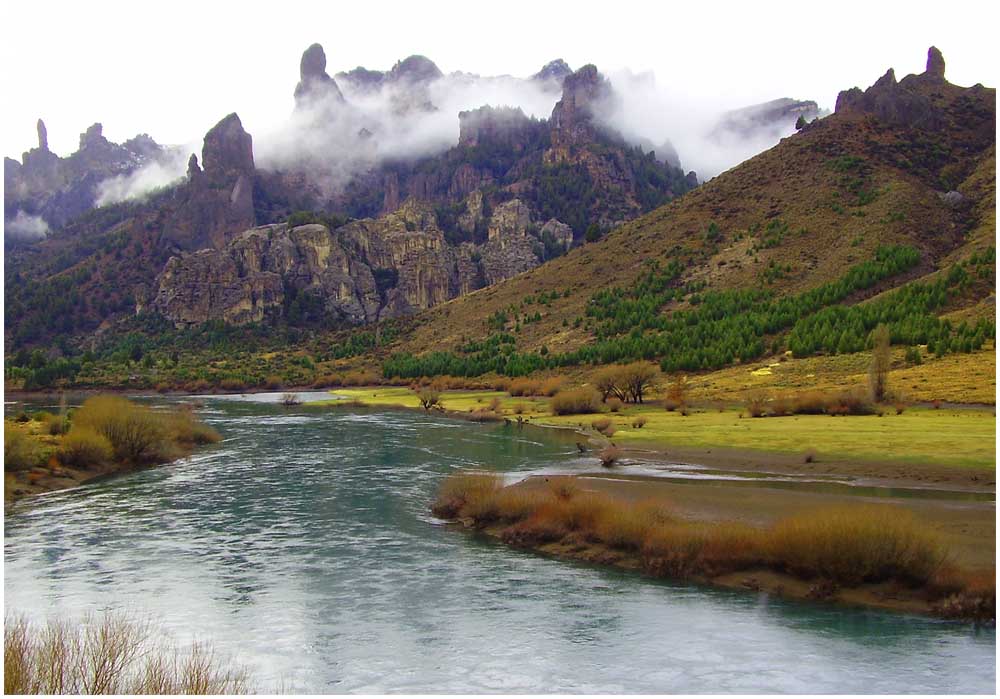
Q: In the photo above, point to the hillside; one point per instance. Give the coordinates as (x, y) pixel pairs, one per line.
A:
(911, 164)
(883, 212)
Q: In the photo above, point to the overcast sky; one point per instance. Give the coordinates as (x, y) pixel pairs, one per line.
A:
(173, 69)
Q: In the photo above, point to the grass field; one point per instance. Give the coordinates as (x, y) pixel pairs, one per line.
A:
(959, 378)
(961, 438)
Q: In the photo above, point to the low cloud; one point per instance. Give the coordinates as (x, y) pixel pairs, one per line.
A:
(166, 170)
(335, 143)
(26, 227)
(648, 113)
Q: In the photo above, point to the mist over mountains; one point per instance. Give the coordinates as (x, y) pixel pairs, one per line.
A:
(343, 127)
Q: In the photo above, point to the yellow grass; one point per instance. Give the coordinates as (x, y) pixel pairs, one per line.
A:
(961, 438)
(845, 545)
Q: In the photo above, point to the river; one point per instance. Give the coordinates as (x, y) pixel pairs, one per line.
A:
(302, 544)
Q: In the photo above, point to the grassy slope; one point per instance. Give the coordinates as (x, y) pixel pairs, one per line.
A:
(796, 182)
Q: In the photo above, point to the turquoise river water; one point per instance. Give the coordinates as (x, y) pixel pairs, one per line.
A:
(302, 544)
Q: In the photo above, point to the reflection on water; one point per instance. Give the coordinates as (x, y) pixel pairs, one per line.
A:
(302, 542)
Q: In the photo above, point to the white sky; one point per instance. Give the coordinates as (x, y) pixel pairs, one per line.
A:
(173, 69)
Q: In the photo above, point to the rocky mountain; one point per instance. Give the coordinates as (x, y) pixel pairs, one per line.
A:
(903, 165)
(56, 189)
(364, 236)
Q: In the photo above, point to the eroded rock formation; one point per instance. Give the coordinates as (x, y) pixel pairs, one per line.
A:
(363, 271)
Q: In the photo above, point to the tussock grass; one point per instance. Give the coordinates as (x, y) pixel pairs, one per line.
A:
(609, 455)
(464, 489)
(855, 545)
(601, 424)
(524, 387)
(581, 401)
(110, 655)
(845, 546)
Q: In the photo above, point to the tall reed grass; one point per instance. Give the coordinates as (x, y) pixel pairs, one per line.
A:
(112, 654)
(845, 545)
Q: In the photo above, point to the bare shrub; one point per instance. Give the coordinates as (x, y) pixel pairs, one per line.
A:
(878, 371)
(581, 401)
(757, 403)
(639, 422)
(110, 655)
(429, 398)
(609, 456)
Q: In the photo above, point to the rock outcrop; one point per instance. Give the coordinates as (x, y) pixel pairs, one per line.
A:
(553, 72)
(217, 202)
(363, 271)
(585, 93)
(315, 85)
(60, 189)
(504, 126)
(909, 102)
(768, 119)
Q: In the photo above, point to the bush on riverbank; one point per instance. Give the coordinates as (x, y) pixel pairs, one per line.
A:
(109, 655)
(20, 452)
(847, 545)
(581, 401)
(84, 448)
(855, 545)
(140, 435)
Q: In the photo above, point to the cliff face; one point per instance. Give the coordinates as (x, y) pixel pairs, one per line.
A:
(218, 201)
(361, 272)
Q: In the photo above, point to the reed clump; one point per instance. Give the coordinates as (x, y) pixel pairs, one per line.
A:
(845, 546)
(852, 545)
(110, 655)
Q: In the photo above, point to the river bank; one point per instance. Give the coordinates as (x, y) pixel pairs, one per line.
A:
(724, 536)
(107, 436)
(922, 447)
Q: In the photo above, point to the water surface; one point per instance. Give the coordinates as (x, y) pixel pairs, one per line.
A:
(302, 543)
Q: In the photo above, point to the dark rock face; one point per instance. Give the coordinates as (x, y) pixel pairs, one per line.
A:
(584, 92)
(903, 103)
(217, 202)
(935, 64)
(228, 150)
(414, 69)
(362, 79)
(43, 135)
(315, 86)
